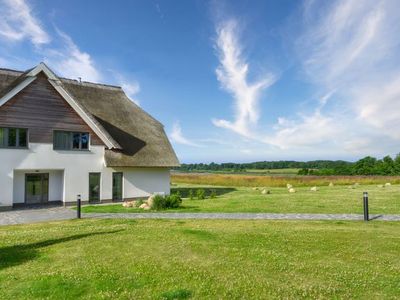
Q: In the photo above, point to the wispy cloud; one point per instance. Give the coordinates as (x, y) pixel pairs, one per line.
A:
(18, 23)
(59, 51)
(233, 73)
(347, 50)
(177, 136)
(69, 61)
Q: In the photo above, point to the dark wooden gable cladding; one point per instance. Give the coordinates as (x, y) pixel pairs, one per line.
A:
(41, 109)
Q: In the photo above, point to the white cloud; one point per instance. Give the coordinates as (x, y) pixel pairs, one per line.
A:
(60, 52)
(69, 61)
(310, 130)
(18, 23)
(177, 136)
(349, 52)
(342, 39)
(232, 73)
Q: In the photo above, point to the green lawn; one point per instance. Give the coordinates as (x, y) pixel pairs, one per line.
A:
(207, 259)
(337, 199)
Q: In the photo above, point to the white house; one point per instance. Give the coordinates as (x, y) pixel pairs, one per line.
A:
(61, 137)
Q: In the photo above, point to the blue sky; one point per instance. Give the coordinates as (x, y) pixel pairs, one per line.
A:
(231, 80)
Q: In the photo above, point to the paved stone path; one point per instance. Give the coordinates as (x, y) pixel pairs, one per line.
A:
(241, 216)
(60, 213)
(25, 216)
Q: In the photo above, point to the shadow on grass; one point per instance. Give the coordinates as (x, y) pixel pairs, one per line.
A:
(371, 218)
(18, 254)
(184, 191)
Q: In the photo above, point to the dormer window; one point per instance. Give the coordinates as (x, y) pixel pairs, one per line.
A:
(13, 138)
(67, 140)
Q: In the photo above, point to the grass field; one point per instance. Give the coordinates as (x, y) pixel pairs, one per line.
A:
(244, 172)
(337, 199)
(277, 181)
(281, 172)
(200, 259)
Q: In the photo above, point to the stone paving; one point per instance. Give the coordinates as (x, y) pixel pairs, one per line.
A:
(25, 216)
(241, 216)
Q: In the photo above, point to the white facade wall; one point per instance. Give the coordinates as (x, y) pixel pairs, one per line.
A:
(69, 174)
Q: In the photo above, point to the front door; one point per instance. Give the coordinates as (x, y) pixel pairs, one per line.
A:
(36, 188)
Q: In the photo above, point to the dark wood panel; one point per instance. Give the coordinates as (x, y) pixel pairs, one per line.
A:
(41, 109)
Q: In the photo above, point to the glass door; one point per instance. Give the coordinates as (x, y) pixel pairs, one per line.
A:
(36, 188)
(117, 186)
(94, 187)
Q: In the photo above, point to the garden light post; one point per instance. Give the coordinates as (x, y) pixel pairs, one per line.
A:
(366, 211)
(78, 206)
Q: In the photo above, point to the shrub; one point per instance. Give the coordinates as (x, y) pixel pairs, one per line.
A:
(139, 202)
(191, 194)
(213, 194)
(201, 194)
(158, 202)
(173, 201)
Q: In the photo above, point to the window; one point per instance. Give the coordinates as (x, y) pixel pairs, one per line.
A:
(65, 140)
(13, 138)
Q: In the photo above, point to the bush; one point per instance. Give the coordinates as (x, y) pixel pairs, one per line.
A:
(161, 202)
(191, 194)
(158, 202)
(213, 194)
(173, 201)
(201, 194)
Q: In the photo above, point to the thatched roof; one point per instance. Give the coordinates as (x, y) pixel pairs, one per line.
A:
(142, 138)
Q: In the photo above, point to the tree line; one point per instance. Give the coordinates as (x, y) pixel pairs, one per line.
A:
(365, 166)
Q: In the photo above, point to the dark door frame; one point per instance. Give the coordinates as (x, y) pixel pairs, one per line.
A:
(89, 198)
(122, 186)
(42, 200)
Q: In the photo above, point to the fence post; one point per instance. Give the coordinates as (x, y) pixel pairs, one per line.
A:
(366, 210)
(78, 206)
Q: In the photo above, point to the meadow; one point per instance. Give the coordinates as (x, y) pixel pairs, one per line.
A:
(240, 180)
(200, 259)
(336, 199)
